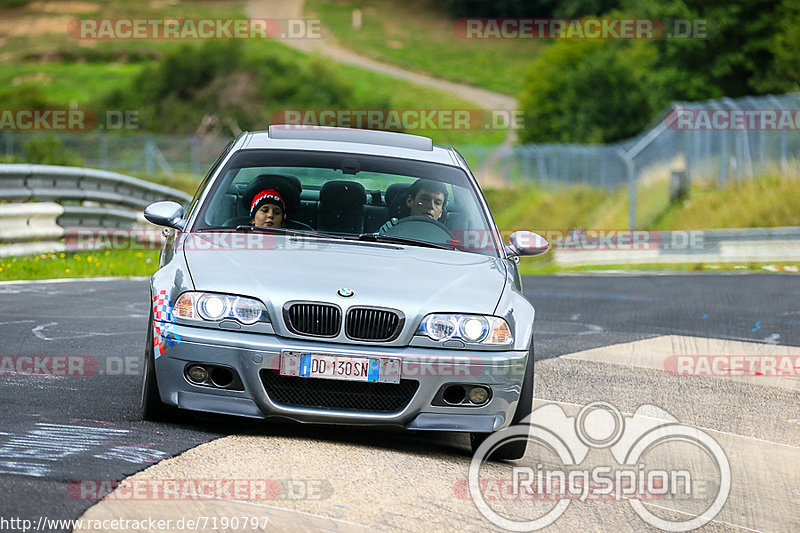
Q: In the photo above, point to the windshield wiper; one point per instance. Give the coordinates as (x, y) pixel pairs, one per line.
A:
(375, 237)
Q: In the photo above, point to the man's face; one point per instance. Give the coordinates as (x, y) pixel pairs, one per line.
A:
(426, 204)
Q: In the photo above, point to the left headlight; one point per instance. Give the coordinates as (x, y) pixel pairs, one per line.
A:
(213, 307)
(474, 329)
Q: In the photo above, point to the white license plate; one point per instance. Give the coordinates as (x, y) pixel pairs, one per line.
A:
(345, 367)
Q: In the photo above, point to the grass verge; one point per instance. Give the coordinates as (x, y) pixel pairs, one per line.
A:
(43, 66)
(98, 263)
(404, 33)
(764, 201)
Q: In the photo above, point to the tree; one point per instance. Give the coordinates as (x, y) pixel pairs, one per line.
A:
(585, 92)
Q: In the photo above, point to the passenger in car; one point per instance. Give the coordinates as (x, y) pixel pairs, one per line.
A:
(269, 201)
(267, 209)
(424, 198)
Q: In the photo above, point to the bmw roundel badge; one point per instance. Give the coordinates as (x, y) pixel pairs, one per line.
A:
(345, 293)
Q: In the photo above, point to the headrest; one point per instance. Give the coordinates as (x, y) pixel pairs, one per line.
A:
(342, 195)
(288, 186)
(392, 191)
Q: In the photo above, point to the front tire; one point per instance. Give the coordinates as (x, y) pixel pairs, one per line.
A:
(152, 408)
(515, 449)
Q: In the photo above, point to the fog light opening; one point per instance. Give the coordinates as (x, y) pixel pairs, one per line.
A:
(221, 377)
(197, 374)
(454, 394)
(479, 395)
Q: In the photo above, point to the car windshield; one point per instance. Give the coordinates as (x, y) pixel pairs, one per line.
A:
(365, 197)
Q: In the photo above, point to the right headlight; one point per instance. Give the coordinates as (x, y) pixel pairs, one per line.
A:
(212, 307)
(474, 329)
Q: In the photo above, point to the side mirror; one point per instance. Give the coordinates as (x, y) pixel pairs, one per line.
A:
(169, 214)
(528, 243)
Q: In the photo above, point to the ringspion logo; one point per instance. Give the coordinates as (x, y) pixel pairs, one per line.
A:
(654, 458)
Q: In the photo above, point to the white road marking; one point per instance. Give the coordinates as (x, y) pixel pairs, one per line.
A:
(33, 453)
(38, 332)
(133, 454)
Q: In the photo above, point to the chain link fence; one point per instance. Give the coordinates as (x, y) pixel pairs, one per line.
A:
(724, 140)
(138, 154)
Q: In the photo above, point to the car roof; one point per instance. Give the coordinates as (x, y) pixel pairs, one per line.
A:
(349, 140)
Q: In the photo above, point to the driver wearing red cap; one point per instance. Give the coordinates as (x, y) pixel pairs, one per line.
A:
(267, 209)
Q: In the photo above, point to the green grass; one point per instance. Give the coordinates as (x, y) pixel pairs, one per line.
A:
(765, 201)
(769, 201)
(53, 41)
(418, 35)
(98, 263)
(67, 73)
(66, 84)
(402, 94)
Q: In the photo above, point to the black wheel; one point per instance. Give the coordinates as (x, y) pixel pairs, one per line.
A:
(516, 448)
(152, 407)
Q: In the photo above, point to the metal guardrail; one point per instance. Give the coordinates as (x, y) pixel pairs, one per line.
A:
(68, 198)
(20, 183)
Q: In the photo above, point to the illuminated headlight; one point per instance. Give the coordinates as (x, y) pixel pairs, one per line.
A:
(475, 329)
(213, 307)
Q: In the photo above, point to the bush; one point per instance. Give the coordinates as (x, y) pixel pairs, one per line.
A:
(24, 96)
(220, 84)
(47, 150)
(586, 92)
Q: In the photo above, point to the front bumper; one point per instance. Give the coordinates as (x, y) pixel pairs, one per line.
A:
(248, 354)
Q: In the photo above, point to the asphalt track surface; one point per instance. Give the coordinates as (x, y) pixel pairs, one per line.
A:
(57, 431)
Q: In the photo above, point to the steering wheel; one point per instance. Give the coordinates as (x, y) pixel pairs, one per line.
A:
(422, 228)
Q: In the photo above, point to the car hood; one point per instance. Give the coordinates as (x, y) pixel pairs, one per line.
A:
(281, 268)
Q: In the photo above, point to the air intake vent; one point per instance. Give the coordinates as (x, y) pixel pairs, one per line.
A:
(370, 324)
(316, 319)
(338, 395)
